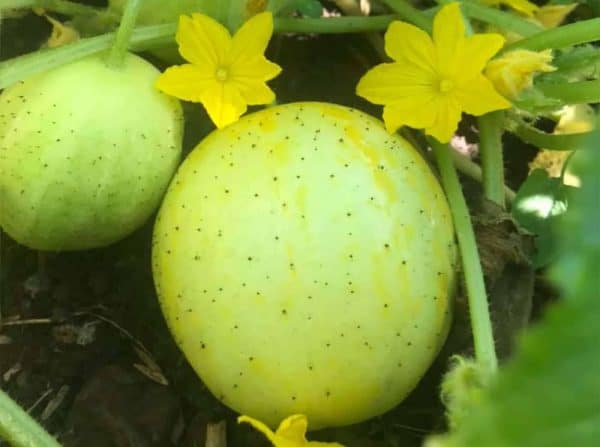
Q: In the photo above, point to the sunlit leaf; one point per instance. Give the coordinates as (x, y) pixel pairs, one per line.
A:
(549, 396)
(537, 207)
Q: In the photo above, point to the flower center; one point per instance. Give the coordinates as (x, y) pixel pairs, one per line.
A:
(221, 74)
(446, 85)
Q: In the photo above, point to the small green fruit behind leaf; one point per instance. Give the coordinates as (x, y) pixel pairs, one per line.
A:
(86, 153)
(304, 259)
(154, 12)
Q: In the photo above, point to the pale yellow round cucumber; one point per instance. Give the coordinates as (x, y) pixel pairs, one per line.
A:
(305, 261)
(86, 153)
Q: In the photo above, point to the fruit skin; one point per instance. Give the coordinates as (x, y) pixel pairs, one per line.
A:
(304, 261)
(86, 153)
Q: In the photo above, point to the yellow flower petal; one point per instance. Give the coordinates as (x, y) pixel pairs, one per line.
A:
(478, 97)
(477, 51)
(513, 72)
(256, 68)
(550, 16)
(254, 93)
(432, 82)
(202, 40)
(525, 7)
(226, 74)
(223, 103)
(61, 33)
(446, 120)
(293, 428)
(448, 38)
(261, 427)
(290, 433)
(187, 82)
(387, 83)
(416, 112)
(252, 38)
(405, 42)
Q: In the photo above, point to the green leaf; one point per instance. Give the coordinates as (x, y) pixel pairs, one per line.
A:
(533, 101)
(537, 208)
(549, 396)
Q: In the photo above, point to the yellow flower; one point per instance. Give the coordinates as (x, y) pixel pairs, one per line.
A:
(550, 16)
(61, 33)
(525, 7)
(513, 72)
(432, 81)
(290, 433)
(225, 73)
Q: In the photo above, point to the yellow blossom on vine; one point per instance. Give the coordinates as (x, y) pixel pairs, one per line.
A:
(513, 72)
(524, 7)
(61, 33)
(433, 80)
(225, 73)
(290, 433)
(550, 16)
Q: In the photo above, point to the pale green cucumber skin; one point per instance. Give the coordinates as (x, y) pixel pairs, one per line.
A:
(86, 153)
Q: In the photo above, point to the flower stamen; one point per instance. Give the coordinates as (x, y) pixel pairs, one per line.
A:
(445, 85)
(221, 74)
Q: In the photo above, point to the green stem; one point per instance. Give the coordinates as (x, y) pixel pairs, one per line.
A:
(471, 169)
(491, 127)
(16, 4)
(67, 7)
(334, 25)
(119, 48)
(500, 19)
(560, 37)
(572, 92)
(556, 142)
(19, 429)
(478, 306)
(409, 13)
(148, 37)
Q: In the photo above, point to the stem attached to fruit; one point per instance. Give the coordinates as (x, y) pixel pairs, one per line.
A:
(123, 36)
(481, 325)
(491, 127)
(19, 429)
(154, 36)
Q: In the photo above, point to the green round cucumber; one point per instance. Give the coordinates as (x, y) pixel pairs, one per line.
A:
(86, 153)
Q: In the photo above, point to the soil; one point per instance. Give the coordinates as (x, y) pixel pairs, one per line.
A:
(83, 344)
